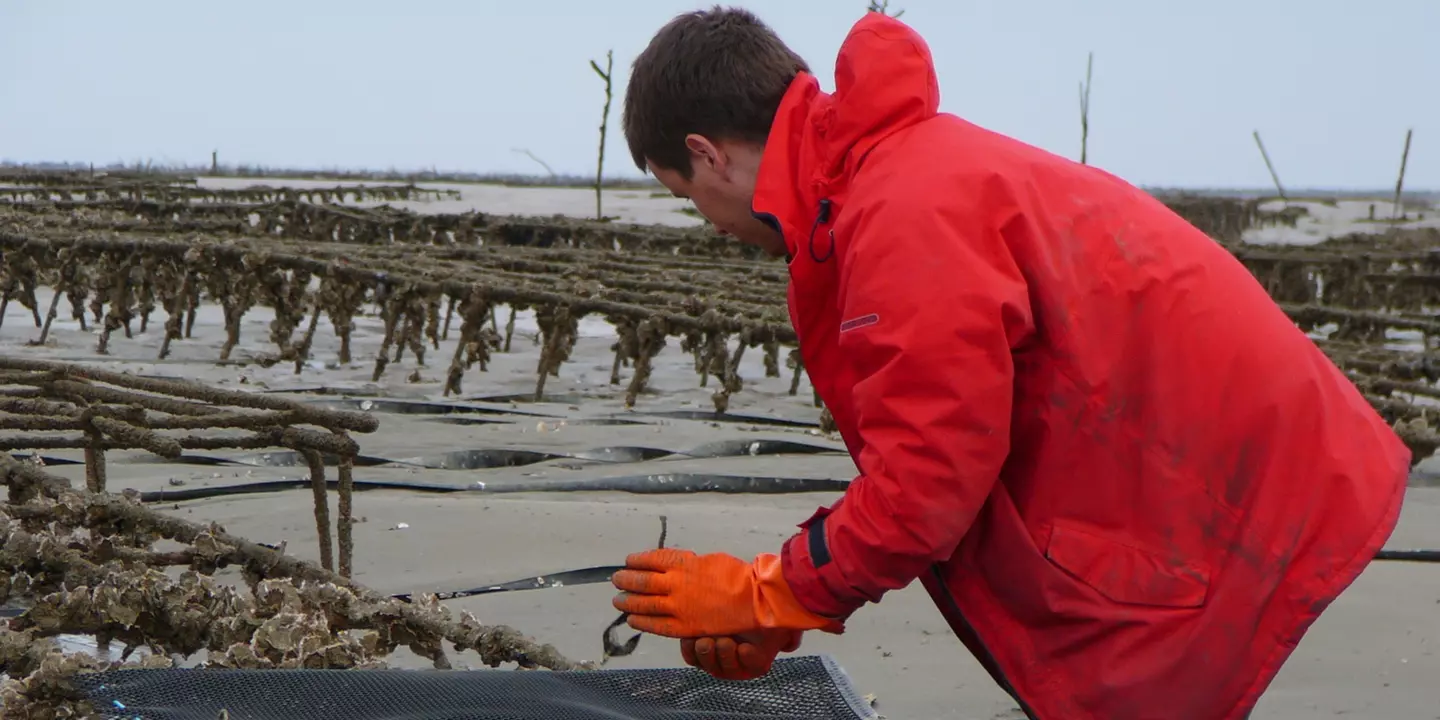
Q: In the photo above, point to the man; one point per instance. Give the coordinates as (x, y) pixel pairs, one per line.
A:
(1127, 479)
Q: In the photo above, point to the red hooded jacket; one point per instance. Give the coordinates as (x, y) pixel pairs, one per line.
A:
(1127, 479)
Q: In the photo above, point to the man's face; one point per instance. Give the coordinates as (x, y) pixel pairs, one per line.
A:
(722, 186)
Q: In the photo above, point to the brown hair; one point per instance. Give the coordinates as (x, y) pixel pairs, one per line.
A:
(720, 73)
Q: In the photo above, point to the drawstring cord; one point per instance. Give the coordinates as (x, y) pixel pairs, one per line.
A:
(820, 218)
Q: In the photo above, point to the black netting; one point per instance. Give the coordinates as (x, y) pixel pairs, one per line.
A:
(812, 687)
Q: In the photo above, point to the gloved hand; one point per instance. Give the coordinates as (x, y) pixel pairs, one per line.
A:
(679, 594)
(744, 657)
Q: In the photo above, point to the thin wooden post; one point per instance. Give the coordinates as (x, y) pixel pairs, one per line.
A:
(883, 7)
(604, 125)
(1396, 214)
(1273, 175)
(1085, 110)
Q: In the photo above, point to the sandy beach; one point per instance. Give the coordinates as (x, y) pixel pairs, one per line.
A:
(1375, 654)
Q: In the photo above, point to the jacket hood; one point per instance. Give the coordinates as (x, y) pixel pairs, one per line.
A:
(885, 82)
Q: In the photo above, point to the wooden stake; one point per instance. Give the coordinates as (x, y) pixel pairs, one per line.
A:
(1085, 110)
(883, 7)
(1396, 214)
(1271, 167)
(536, 158)
(604, 124)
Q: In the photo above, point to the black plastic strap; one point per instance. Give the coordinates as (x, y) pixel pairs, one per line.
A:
(819, 548)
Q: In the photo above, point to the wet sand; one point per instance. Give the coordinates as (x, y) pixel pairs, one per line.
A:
(1375, 653)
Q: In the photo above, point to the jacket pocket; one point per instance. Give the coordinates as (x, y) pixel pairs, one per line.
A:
(1124, 573)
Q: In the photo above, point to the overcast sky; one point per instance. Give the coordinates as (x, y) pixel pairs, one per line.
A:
(460, 84)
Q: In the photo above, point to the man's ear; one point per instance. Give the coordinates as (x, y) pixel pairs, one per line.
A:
(704, 152)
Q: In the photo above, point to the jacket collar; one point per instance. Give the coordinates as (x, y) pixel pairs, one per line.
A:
(884, 82)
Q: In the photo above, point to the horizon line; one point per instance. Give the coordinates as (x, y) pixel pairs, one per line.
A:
(570, 180)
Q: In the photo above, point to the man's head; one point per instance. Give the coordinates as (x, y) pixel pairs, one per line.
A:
(698, 109)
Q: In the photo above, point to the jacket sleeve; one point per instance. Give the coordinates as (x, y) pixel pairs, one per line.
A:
(932, 305)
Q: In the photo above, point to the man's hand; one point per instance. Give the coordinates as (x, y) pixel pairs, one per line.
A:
(745, 657)
(679, 594)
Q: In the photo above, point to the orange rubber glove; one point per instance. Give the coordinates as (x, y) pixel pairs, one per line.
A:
(744, 657)
(679, 594)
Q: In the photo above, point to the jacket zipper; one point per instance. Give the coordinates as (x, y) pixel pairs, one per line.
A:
(987, 659)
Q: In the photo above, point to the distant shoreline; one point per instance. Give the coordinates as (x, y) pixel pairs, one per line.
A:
(622, 183)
